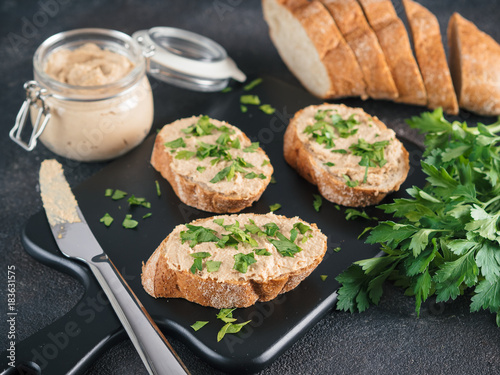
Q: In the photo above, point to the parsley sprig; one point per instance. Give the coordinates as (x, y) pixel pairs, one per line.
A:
(445, 238)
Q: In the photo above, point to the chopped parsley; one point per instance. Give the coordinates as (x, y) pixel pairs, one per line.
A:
(230, 328)
(243, 261)
(129, 223)
(349, 182)
(108, 192)
(213, 265)
(337, 249)
(137, 201)
(253, 175)
(252, 148)
(202, 127)
(263, 252)
(198, 325)
(252, 84)
(106, 219)
(372, 154)
(158, 191)
(352, 214)
(226, 315)
(185, 154)
(323, 277)
(329, 164)
(318, 202)
(243, 108)
(274, 207)
(118, 194)
(250, 99)
(285, 247)
(271, 229)
(147, 215)
(198, 261)
(176, 143)
(198, 234)
(265, 162)
(329, 126)
(267, 109)
(201, 169)
(226, 89)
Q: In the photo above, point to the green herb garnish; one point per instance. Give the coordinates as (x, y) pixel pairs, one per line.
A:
(230, 328)
(129, 223)
(285, 247)
(445, 240)
(271, 229)
(349, 182)
(263, 252)
(243, 261)
(226, 315)
(118, 194)
(185, 154)
(372, 154)
(137, 201)
(252, 148)
(274, 207)
(267, 109)
(317, 202)
(352, 214)
(243, 108)
(147, 215)
(252, 84)
(158, 191)
(198, 261)
(323, 277)
(198, 234)
(198, 325)
(176, 143)
(329, 164)
(213, 265)
(108, 192)
(226, 89)
(201, 169)
(250, 99)
(106, 219)
(202, 127)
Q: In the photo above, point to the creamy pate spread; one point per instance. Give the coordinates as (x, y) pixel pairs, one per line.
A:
(87, 65)
(347, 164)
(266, 266)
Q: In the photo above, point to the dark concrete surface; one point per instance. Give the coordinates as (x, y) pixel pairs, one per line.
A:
(446, 339)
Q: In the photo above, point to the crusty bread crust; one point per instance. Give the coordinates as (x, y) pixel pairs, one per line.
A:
(475, 67)
(352, 23)
(329, 186)
(197, 195)
(431, 57)
(160, 280)
(338, 60)
(393, 39)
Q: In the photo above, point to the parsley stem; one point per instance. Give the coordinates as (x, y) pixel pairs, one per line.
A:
(491, 201)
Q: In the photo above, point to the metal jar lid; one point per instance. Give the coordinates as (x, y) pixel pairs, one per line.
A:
(187, 59)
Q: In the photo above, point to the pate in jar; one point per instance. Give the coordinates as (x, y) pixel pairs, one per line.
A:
(93, 85)
(91, 100)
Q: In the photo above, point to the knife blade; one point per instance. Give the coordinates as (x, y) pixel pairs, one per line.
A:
(75, 240)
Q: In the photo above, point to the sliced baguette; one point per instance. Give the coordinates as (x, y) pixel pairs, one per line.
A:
(168, 273)
(431, 57)
(313, 48)
(393, 38)
(352, 23)
(313, 161)
(475, 67)
(191, 177)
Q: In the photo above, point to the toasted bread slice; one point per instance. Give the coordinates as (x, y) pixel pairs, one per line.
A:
(352, 23)
(211, 165)
(431, 57)
(313, 48)
(475, 67)
(223, 281)
(325, 145)
(393, 38)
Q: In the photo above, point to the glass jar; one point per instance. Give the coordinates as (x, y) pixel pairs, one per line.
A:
(95, 123)
(89, 123)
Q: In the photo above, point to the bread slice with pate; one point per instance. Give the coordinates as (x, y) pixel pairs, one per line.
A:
(211, 165)
(235, 260)
(312, 47)
(475, 67)
(353, 158)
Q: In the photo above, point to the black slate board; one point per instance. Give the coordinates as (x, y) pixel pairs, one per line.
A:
(91, 325)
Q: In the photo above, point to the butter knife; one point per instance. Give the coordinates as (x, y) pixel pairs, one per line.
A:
(75, 240)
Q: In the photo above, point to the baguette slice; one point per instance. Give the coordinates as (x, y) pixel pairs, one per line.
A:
(475, 67)
(168, 273)
(352, 23)
(333, 168)
(393, 39)
(431, 57)
(313, 48)
(248, 170)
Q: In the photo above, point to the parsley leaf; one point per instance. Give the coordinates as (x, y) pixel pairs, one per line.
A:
(271, 229)
(318, 201)
(198, 325)
(106, 219)
(243, 261)
(230, 328)
(262, 252)
(138, 201)
(198, 261)
(252, 148)
(118, 194)
(250, 99)
(213, 265)
(285, 246)
(176, 143)
(129, 223)
(252, 84)
(267, 109)
(352, 214)
(198, 234)
(202, 127)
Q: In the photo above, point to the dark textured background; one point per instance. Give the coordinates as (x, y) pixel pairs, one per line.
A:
(447, 339)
